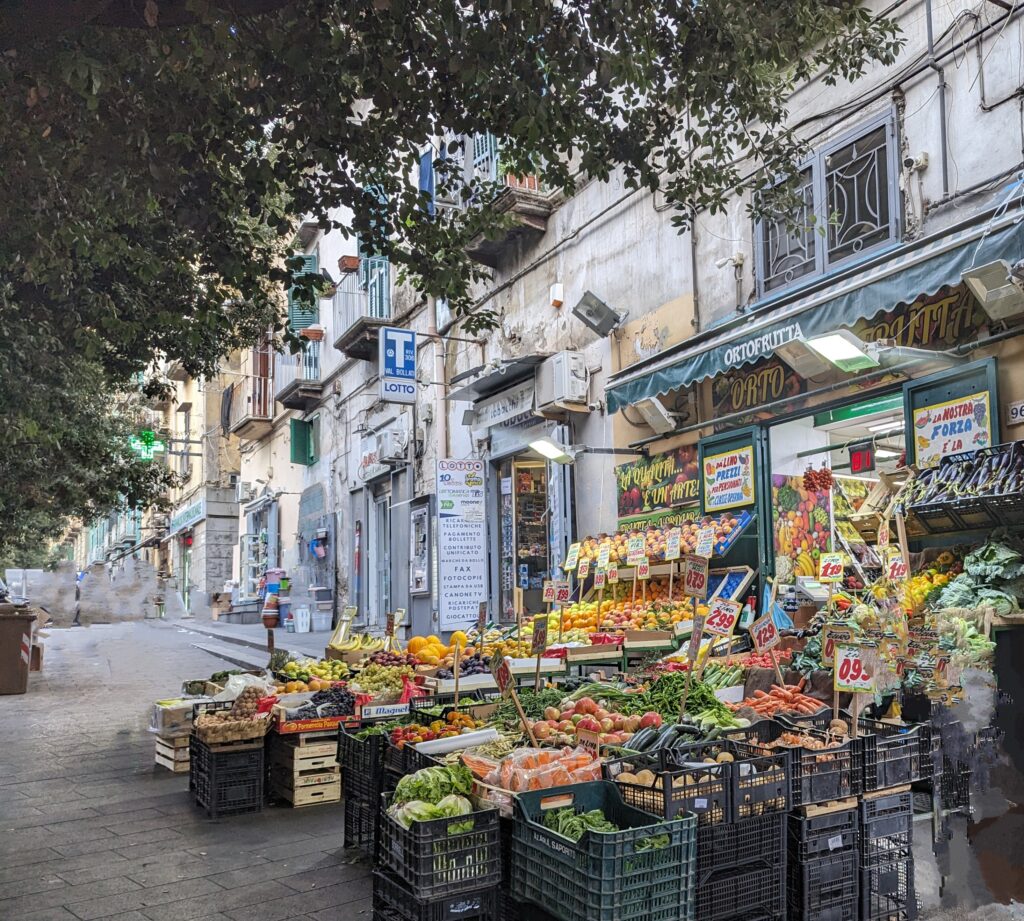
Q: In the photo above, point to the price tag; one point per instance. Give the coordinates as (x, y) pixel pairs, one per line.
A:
(705, 543)
(722, 617)
(854, 672)
(481, 618)
(583, 570)
(695, 637)
(830, 567)
(599, 578)
(764, 633)
(695, 576)
(572, 557)
(613, 574)
(643, 569)
(548, 595)
(635, 551)
(883, 533)
(672, 542)
(830, 636)
(896, 567)
(563, 591)
(502, 674)
(540, 634)
(389, 624)
(604, 554)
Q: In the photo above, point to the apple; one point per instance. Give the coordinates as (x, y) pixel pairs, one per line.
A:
(578, 718)
(589, 724)
(632, 724)
(568, 714)
(617, 723)
(552, 713)
(566, 726)
(541, 730)
(585, 705)
(650, 718)
(606, 725)
(601, 714)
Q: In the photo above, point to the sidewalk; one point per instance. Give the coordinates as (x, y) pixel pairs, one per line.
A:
(248, 642)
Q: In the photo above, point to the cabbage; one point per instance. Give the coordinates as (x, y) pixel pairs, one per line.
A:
(453, 805)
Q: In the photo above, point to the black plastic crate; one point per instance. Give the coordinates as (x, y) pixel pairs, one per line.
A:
(839, 910)
(415, 760)
(744, 892)
(816, 836)
(395, 759)
(612, 876)
(816, 776)
(931, 757)
(887, 892)
(393, 901)
(886, 814)
(824, 880)
(704, 790)
(418, 705)
(891, 755)
(741, 845)
(362, 818)
(442, 856)
(364, 757)
(226, 779)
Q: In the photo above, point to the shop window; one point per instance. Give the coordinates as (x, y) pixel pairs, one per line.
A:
(846, 204)
(305, 441)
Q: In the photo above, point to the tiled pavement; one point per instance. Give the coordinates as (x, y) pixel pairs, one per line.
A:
(91, 831)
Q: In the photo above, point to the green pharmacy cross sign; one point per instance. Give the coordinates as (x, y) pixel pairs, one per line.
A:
(146, 444)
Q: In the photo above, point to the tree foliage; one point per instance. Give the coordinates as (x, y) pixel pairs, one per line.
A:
(151, 178)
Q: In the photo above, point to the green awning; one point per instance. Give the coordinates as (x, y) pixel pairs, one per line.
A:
(900, 280)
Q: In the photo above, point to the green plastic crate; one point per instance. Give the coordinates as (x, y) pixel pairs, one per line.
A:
(603, 876)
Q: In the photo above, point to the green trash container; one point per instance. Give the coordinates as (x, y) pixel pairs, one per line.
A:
(15, 648)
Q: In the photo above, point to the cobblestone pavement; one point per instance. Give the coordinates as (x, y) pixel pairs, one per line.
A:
(90, 830)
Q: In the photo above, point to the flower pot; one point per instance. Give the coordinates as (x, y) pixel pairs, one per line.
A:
(270, 620)
(314, 333)
(348, 264)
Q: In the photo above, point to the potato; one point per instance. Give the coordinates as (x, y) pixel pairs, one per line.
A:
(645, 778)
(725, 758)
(627, 777)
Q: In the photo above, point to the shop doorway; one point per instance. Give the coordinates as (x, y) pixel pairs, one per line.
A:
(523, 511)
(857, 442)
(379, 560)
(186, 573)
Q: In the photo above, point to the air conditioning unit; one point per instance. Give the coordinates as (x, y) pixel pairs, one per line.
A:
(243, 491)
(563, 382)
(392, 446)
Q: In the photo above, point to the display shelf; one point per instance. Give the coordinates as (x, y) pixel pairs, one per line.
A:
(734, 579)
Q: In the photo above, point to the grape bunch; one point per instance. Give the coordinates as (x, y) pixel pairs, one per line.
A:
(336, 701)
(393, 658)
(472, 665)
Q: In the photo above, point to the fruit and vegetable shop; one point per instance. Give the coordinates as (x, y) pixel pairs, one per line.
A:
(784, 684)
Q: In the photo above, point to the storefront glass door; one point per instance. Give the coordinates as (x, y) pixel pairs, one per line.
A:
(379, 561)
(524, 519)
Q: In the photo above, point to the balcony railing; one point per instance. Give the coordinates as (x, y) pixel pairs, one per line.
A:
(362, 303)
(252, 407)
(297, 377)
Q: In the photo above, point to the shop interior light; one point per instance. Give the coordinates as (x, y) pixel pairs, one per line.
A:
(886, 425)
(845, 350)
(552, 450)
(885, 452)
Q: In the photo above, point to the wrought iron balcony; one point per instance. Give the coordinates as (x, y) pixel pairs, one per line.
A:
(362, 304)
(297, 378)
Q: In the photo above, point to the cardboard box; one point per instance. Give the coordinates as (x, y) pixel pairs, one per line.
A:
(173, 717)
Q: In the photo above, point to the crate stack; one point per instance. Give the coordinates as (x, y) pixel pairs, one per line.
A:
(304, 769)
(824, 862)
(226, 778)
(887, 856)
(172, 752)
(437, 869)
(361, 763)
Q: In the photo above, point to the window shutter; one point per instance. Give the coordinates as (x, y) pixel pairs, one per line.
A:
(300, 442)
(427, 178)
(313, 453)
(302, 315)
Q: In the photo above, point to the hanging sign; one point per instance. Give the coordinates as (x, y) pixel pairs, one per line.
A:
(548, 594)
(896, 567)
(613, 574)
(963, 424)
(883, 534)
(583, 569)
(572, 557)
(599, 578)
(855, 669)
(563, 591)
(389, 624)
(695, 637)
(604, 554)
(764, 633)
(729, 479)
(830, 567)
(540, 634)
(722, 617)
(397, 364)
(695, 576)
(635, 551)
(672, 542)
(831, 636)
(502, 674)
(705, 543)
(643, 569)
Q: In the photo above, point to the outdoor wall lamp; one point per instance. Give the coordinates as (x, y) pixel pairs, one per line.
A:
(567, 454)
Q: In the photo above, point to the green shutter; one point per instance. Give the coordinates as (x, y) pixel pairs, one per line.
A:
(302, 315)
(313, 454)
(300, 442)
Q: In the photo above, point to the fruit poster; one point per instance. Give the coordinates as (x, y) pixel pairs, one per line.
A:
(649, 489)
(801, 526)
(729, 479)
(963, 424)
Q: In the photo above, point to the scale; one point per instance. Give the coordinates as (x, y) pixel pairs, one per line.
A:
(812, 589)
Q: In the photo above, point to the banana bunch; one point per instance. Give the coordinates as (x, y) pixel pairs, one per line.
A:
(361, 642)
(804, 565)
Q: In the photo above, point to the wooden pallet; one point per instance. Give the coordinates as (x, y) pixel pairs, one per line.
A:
(835, 805)
(888, 791)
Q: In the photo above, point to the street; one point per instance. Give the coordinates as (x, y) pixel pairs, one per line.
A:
(91, 831)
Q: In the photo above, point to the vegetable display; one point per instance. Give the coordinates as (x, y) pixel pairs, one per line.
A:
(574, 825)
(993, 576)
(781, 699)
(999, 472)
(433, 784)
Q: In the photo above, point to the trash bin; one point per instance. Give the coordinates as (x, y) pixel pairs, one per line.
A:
(15, 648)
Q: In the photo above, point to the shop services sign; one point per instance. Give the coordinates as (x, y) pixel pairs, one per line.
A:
(187, 516)
(963, 424)
(729, 479)
(461, 542)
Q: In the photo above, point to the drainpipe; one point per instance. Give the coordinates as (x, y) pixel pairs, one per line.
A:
(943, 128)
(441, 387)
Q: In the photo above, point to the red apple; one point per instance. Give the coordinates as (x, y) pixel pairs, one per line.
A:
(606, 725)
(541, 730)
(585, 705)
(577, 718)
(632, 723)
(600, 714)
(552, 713)
(650, 718)
(589, 724)
(566, 726)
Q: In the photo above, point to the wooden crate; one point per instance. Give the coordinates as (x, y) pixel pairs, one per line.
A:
(304, 769)
(172, 754)
(309, 796)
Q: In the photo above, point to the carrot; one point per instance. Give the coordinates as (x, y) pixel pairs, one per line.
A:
(760, 694)
(802, 683)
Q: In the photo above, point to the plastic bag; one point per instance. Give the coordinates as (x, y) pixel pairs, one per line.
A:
(238, 683)
(410, 690)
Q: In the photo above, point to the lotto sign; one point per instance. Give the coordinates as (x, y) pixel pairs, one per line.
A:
(613, 574)
(830, 567)
(540, 634)
(695, 576)
(896, 569)
(854, 670)
(643, 569)
(830, 637)
(397, 363)
(599, 578)
(563, 591)
(583, 570)
(635, 551)
(672, 541)
(722, 617)
(502, 674)
(698, 631)
(764, 633)
(548, 596)
(572, 558)
(604, 554)
(705, 543)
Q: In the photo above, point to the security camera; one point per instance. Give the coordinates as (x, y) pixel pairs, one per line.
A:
(914, 164)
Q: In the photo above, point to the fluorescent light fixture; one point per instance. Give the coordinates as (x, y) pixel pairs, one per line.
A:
(843, 349)
(885, 452)
(552, 450)
(886, 425)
